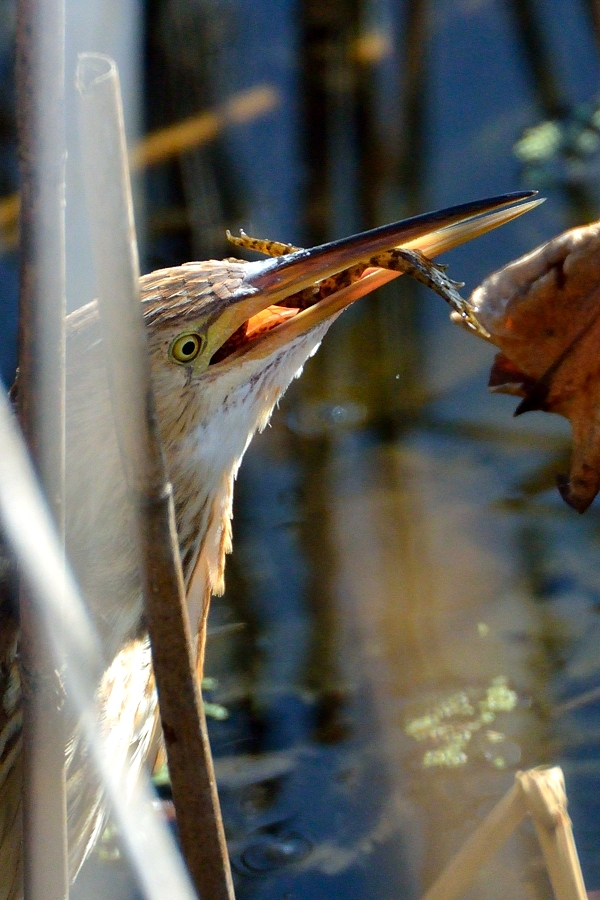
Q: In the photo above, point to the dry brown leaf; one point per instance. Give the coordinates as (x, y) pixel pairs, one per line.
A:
(543, 312)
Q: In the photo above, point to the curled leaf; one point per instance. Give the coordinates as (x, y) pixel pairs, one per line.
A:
(543, 312)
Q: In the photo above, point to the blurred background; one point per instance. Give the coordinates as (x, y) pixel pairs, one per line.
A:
(412, 613)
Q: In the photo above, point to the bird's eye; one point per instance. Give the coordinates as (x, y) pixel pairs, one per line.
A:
(186, 347)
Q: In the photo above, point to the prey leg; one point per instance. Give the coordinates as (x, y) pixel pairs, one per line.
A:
(268, 248)
(418, 266)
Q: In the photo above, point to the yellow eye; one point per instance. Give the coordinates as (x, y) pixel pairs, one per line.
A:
(186, 347)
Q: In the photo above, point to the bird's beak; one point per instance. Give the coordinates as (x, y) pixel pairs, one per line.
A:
(265, 310)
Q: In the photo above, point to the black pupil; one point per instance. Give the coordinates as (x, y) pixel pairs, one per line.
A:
(188, 348)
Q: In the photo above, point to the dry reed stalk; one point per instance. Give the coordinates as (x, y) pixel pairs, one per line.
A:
(546, 799)
(41, 402)
(540, 793)
(115, 253)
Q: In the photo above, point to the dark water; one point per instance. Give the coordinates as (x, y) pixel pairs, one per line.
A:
(403, 562)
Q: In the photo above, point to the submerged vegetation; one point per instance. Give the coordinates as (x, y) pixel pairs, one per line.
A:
(451, 723)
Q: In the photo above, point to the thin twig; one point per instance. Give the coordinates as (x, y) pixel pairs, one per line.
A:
(541, 794)
(195, 131)
(489, 837)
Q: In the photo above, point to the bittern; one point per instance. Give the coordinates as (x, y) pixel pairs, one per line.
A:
(225, 341)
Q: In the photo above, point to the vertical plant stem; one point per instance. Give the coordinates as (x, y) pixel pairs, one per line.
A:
(115, 253)
(40, 105)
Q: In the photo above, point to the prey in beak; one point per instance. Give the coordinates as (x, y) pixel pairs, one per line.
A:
(299, 289)
(209, 316)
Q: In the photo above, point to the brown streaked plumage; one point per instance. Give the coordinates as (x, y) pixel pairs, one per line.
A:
(225, 340)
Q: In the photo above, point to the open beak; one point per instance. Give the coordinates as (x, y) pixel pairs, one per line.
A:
(264, 316)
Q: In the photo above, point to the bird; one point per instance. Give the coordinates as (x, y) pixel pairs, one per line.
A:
(225, 339)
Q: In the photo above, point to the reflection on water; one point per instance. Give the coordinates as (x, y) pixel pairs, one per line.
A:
(271, 852)
(437, 589)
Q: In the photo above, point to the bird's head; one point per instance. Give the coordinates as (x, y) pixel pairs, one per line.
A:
(226, 338)
(216, 327)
